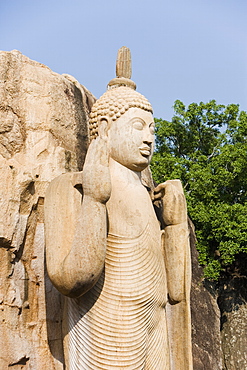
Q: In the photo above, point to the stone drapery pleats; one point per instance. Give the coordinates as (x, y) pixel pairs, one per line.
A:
(120, 323)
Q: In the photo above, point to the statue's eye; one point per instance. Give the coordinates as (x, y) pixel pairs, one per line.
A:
(138, 125)
(152, 128)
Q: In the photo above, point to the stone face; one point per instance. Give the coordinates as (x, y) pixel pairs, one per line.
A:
(43, 133)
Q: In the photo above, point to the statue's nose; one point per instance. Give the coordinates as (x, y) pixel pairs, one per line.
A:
(148, 137)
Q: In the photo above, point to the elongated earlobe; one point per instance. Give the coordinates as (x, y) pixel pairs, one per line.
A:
(104, 125)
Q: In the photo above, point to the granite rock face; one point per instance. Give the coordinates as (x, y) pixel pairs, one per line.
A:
(233, 305)
(43, 133)
(205, 317)
(219, 316)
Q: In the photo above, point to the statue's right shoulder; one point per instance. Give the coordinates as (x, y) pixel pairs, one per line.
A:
(61, 210)
(63, 199)
(66, 182)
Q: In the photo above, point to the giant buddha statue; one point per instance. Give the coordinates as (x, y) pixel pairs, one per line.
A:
(117, 246)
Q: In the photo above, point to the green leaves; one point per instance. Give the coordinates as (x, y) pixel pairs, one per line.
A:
(205, 145)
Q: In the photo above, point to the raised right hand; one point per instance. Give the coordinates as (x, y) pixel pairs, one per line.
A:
(96, 179)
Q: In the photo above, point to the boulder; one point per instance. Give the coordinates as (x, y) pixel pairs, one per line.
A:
(43, 133)
(205, 318)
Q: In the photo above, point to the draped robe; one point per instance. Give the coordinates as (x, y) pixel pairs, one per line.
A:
(121, 323)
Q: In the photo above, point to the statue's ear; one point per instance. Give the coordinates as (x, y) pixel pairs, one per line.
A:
(103, 127)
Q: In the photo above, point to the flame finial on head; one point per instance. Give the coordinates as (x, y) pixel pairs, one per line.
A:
(120, 96)
(123, 65)
(123, 70)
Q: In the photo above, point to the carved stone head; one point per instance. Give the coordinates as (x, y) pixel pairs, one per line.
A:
(114, 103)
(124, 116)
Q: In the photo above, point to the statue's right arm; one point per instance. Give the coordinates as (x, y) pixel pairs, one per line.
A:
(76, 230)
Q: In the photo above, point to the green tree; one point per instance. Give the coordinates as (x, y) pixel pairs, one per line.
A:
(205, 146)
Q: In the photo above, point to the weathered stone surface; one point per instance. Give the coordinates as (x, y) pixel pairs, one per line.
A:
(233, 305)
(43, 133)
(205, 317)
(234, 338)
(127, 282)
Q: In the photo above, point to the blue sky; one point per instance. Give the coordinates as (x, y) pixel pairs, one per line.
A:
(192, 50)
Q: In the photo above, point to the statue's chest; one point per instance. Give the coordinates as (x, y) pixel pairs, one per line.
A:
(135, 270)
(130, 209)
(134, 265)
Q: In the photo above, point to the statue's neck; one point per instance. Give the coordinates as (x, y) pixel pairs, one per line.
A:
(129, 207)
(122, 176)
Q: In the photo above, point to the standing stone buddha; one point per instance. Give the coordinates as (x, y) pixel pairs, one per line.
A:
(118, 247)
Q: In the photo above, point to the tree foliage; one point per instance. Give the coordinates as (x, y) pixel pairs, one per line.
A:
(205, 146)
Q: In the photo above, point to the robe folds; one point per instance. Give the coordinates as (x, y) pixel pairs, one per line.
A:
(125, 321)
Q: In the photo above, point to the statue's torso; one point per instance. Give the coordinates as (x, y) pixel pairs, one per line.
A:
(121, 320)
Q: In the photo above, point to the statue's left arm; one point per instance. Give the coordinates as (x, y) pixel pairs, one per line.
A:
(175, 237)
(176, 245)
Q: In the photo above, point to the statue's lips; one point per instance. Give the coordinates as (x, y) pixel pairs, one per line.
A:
(145, 151)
